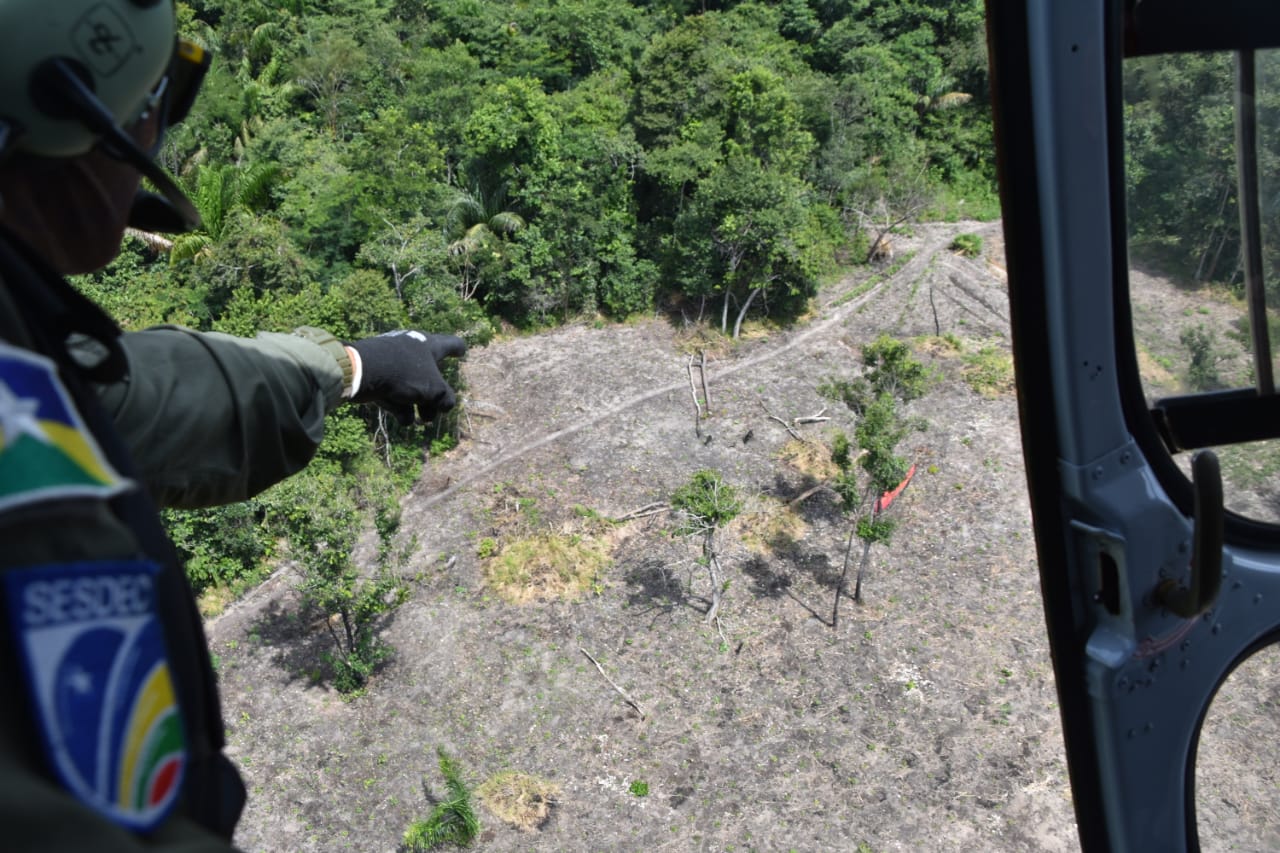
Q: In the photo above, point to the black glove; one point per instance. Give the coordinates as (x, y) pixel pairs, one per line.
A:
(399, 370)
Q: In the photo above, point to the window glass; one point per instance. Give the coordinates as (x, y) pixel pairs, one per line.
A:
(1186, 265)
(1237, 777)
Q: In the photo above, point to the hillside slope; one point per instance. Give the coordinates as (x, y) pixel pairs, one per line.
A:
(926, 719)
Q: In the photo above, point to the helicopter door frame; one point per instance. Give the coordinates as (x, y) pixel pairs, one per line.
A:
(1122, 547)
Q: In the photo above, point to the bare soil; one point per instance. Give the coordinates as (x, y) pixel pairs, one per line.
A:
(925, 719)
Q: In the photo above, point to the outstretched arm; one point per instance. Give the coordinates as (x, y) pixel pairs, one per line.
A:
(212, 419)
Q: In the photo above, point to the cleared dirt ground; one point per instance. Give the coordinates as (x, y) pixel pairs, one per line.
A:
(926, 719)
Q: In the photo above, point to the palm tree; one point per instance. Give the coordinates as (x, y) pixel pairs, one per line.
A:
(220, 192)
(476, 221)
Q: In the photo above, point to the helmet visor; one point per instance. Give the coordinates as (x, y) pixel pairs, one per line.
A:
(176, 91)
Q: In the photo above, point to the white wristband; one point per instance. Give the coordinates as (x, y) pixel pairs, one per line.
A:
(357, 371)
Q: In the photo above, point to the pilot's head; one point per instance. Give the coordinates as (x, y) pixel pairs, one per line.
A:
(87, 90)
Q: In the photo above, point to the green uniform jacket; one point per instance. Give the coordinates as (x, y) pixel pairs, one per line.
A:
(208, 419)
(212, 419)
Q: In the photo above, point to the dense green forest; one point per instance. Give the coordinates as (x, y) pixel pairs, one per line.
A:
(1181, 169)
(458, 163)
(469, 166)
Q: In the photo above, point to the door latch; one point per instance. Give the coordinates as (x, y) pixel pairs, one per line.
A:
(1206, 551)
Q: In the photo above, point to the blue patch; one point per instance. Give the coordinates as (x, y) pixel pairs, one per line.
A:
(99, 682)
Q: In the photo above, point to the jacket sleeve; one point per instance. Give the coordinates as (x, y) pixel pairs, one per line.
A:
(213, 419)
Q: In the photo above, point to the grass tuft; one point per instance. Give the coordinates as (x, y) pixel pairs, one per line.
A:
(519, 799)
(546, 567)
(989, 371)
(810, 458)
(769, 527)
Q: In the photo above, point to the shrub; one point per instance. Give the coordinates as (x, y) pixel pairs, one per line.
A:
(704, 506)
(323, 513)
(221, 546)
(1202, 372)
(890, 369)
(989, 371)
(969, 245)
(706, 502)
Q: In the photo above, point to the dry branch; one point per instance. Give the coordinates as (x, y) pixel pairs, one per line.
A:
(697, 405)
(702, 370)
(646, 510)
(621, 692)
(820, 417)
(785, 425)
(807, 493)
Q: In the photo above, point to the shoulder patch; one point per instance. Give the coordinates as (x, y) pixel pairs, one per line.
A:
(46, 451)
(98, 681)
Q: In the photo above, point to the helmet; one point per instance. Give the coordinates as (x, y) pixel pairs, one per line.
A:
(75, 73)
(119, 49)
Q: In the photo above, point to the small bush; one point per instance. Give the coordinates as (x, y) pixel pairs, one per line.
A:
(875, 529)
(323, 515)
(989, 371)
(442, 445)
(969, 245)
(352, 669)
(889, 368)
(1202, 372)
(706, 501)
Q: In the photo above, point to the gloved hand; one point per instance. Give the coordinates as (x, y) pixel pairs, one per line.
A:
(400, 370)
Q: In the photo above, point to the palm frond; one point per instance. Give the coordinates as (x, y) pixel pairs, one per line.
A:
(155, 242)
(452, 774)
(256, 183)
(472, 240)
(452, 821)
(464, 211)
(506, 223)
(264, 40)
(188, 247)
(213, 197)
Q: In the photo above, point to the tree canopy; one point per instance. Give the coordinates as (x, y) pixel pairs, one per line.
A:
(721, 152)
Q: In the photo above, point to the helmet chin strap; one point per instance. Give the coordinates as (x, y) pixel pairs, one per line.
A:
(64, 94)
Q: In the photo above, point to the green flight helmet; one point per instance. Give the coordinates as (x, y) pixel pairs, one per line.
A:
(118, 49)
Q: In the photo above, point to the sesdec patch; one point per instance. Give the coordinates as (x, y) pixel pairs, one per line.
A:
(98, 681)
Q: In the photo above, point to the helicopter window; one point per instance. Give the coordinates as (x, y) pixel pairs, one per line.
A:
(1202, 174)
(1237, 781)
